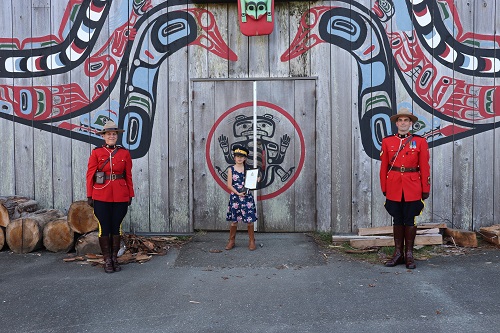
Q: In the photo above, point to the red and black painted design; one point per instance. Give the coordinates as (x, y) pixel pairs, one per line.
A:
(272, 146)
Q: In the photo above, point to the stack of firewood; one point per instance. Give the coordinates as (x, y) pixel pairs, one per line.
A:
(26, 228)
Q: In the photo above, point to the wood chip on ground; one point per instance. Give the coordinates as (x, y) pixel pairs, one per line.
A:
(139, 249)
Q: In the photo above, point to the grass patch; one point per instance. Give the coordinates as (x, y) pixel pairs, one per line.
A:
(375, 255)
(324, 238)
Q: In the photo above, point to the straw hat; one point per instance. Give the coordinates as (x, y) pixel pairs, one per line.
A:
(404, 112)
(110, 126)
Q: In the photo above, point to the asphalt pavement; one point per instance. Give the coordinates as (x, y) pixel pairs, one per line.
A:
(287, 285)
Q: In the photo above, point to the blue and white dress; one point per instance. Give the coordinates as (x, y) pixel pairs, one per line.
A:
(240, 209)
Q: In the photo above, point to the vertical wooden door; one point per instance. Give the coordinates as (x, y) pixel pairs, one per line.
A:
(221, 114)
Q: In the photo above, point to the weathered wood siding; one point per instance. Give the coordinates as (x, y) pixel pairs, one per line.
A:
(287, 198)
(370, 59)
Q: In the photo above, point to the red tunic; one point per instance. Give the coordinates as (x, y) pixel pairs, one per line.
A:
(118, 190)
(414, 154)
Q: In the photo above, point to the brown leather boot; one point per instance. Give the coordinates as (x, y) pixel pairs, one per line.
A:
(232, 237)
(410, 233)
(398, 256)
(105, 243)
(251, 238)
(114, 252)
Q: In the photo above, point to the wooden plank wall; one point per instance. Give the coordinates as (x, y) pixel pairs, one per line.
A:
(49, 165)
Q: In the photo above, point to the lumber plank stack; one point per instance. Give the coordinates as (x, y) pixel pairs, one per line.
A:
(427, 234)
(430, 239)
(388, 229)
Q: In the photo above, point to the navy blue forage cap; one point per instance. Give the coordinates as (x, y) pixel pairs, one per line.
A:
(240, 150)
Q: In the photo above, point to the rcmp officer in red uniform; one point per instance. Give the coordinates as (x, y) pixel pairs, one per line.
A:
(112, 195)
(405, 182)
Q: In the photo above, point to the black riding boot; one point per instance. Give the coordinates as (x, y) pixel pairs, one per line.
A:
(114, 253)
(105, 243)
(410, 234)
(399, 238)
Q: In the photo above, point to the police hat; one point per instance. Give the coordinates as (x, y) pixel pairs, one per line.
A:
(110, 126)
(240, 150)
(404, 112)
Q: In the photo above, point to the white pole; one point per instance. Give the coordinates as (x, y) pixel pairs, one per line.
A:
(255, 140)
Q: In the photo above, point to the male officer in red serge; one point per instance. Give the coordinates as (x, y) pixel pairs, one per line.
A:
(405, 182)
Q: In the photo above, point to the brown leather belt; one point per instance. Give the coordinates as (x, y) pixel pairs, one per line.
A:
(403, 169)
(115, 176)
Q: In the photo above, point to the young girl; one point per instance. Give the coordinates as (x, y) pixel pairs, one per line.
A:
(241, 206)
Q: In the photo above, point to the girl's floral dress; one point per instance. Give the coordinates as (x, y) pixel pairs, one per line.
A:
(240, 209)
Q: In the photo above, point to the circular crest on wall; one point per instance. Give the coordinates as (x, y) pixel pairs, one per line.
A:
(280, 146)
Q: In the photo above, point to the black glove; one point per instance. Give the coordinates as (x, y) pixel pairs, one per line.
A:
(383, 193)
(425, 195)
(130, 202)
(90, 201)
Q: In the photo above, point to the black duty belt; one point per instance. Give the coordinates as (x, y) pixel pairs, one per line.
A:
(115, 176)
(403, 169)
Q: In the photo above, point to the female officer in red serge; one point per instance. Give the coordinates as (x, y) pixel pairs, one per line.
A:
(405, 182)
(111, 198)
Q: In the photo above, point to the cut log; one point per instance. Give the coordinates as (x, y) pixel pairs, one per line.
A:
(461, 237)
(2, 237)
(9, 208)
(18, 205)
(25, 234)
(81, 218)
(491, 234)
(58, 236)
(4, 216)
(88, 243)
(389, 241)
(24, 208)
(387, 230)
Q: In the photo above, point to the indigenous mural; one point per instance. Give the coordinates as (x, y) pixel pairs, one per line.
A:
(405, 39)
(414, 54)
(394, 38)
(131, 66)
